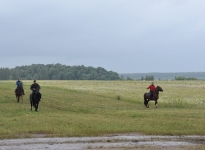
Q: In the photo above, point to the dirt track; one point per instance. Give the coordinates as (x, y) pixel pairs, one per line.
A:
(107, 142)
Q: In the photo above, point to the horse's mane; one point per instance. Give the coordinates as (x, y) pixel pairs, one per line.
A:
(157, 87)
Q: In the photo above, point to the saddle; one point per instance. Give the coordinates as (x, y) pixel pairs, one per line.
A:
(151, 96)
(17, 89)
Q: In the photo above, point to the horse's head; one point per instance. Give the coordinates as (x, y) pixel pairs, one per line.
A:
(19, 90)
(159, 89)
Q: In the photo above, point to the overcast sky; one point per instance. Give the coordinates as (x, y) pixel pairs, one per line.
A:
(125, 36)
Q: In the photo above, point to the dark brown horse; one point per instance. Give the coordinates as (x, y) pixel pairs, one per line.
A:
(19, 93)
(34, 99)
(154, 97)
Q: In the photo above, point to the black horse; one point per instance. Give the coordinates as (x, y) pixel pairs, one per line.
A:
(19, 93)
(34, 99)
(154, 97)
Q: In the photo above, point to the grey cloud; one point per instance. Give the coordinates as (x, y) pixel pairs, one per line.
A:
(120, 35)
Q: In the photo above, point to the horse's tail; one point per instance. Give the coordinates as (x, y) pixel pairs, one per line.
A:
(146, 96)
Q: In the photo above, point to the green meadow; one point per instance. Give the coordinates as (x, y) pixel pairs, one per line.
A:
(96, 108)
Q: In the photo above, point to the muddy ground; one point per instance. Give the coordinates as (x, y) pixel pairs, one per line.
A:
(114, 142)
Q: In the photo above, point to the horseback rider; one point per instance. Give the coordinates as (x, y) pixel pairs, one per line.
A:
(18, 84)
(152, 88)
(35, 87)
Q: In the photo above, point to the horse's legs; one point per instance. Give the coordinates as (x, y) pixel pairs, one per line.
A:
(156, 103)
(31, 102)
(146, 102)
(18, 99)
(35, 104)
(35, 107)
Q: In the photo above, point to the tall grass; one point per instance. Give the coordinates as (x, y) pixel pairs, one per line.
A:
(93, 108)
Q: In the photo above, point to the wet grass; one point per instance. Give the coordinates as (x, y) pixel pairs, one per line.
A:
(93, 108)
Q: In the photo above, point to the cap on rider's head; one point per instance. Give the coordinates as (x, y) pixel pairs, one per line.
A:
(34, 80)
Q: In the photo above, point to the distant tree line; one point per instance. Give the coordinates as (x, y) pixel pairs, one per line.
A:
(57, 72)
(164, 76)
(148, 78)
(184, 78)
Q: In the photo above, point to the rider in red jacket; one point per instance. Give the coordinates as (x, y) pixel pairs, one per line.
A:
(152, 88)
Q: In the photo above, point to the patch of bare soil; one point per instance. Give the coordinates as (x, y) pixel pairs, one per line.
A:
(114, 142)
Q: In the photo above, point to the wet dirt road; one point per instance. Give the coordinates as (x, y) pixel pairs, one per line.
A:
(106, 142)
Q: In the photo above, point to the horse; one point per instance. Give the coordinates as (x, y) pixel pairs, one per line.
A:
(19, 93)
(34, 99)
(154, 97)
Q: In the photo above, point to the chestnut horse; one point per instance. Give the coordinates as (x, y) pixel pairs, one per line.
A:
(19, 93)
(154, 97)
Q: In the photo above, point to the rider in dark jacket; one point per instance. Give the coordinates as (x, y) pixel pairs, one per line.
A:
(35, 87)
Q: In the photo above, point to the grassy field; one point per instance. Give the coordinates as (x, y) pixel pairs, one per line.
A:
(94, 108)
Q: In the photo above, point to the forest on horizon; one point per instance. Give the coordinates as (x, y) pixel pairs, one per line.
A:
(64, 72)
(57, 72)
